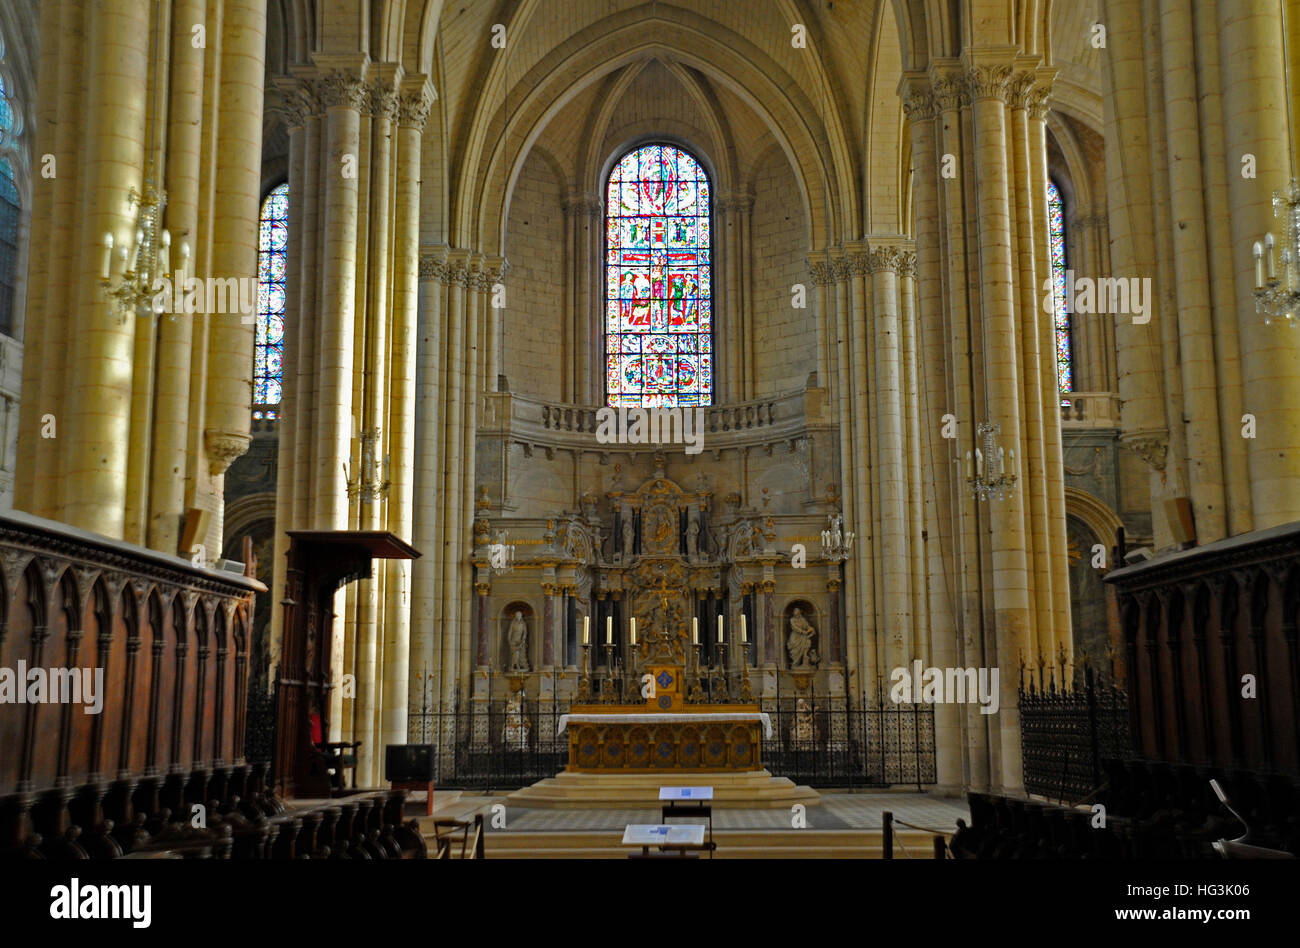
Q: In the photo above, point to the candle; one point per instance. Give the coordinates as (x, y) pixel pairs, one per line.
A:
(695, 630)
(634, 630)
(1259, 265)
(1002, 461)
(609, 630)
(744, 630)
(586, 630)
(1268, 245)
(108, 254)
(970, 473)
(719, 628)
(979, 462)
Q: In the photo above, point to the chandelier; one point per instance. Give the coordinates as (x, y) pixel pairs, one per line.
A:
(1278, 293)
(836, 543)
(130, 270)
(988, 475)
(501, 557)
(371, 484)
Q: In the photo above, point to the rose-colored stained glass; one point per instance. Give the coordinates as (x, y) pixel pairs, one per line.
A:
(268, 337)
(658, 280)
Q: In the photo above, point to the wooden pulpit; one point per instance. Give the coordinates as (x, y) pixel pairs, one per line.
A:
(320, 563)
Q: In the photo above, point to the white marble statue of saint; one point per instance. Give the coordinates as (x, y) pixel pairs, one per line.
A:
(517, 636)
(693, 537)
(800, 642)
(627, 534)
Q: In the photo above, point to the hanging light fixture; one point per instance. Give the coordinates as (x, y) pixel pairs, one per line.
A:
(129, 270)
(837, 544)
(1277, 289)
(988, 475)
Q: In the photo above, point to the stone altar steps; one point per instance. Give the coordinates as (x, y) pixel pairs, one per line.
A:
(755, 789)
(732, 844)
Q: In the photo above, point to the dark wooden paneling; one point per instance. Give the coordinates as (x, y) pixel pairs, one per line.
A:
(72, 600)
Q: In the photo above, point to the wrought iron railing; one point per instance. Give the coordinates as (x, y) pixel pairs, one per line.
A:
(1066, 735)
(492, 746)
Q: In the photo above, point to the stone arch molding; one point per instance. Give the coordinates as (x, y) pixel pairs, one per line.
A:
(1095, 514)
(499, 144)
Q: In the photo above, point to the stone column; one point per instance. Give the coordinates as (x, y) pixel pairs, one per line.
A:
(572, 206)
(1251, 50)
(413, 109)
(175, 331)
(426, 525)
(733, 349)
(60, 43)
(343, 96)
(1035, 346)
(460, 357)
(895, 585)
(97, 412)
(48, 339)
(1057, 552)
(914, 475)
(922, 112)
(1014, 630)
(860, 586)
(234, 234)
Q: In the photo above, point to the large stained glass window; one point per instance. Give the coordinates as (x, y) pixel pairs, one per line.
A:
(268, 339)
(658, 286)
(1056, 227)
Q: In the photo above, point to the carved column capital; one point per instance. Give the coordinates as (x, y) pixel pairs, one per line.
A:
(415, 98)
(950, 93)
(821, 271)
(917, 94)
(383, 101)
(342, 89)
(224, 447)
(1150, 446)
(433, 267)
(988, 81)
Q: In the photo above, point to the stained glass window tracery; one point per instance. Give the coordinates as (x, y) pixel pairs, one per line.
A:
(1056, 231)
(268, 339)
(658, 281)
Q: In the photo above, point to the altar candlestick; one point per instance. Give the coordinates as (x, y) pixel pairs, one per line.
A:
(586, 630)
(719, 628)
(744, 630)
(609, 630)
(695, 630)
(634, 630)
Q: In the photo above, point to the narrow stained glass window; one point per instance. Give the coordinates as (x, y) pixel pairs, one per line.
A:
(9, 215)
(658, 282)
(1056, 228)
(268, 339)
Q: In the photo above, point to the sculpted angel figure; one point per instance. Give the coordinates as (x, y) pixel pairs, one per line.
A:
(800, 641)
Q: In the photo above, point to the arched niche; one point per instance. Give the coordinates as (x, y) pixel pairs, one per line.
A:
(505, 659)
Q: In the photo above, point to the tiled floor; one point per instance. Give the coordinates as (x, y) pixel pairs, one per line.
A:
(843, 811)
